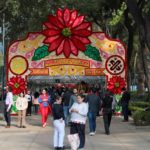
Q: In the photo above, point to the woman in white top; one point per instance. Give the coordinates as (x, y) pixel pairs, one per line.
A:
(79, 112)
(21, 105)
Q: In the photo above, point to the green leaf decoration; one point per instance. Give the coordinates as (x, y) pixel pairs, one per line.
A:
(93, 53)
(14, 109)
(40, 53)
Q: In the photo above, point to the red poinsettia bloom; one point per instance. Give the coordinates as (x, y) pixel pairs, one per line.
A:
(67, 32)
(115, 84)
(17, 84)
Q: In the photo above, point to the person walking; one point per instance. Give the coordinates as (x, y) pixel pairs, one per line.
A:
(106, 110)
(79, 112)
(94, 107)
(7, 107)
(44, 100)
(59, 124)
(29, 98)
(21, 105)
(125, 103)
(73, 97)
(35, 102)
(66, 100)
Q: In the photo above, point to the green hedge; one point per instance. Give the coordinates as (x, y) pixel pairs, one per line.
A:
(136, 96)
(139, 105)
(141, 118)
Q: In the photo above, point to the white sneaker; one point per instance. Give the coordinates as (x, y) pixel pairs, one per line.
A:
(91, 133)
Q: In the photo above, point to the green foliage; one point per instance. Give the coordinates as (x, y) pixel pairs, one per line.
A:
(97, 11)
(93, 53)
(118, 97)
(13, 6)
(141, 117)
(27, 15)
(139, 105)
(135, 108)
(137, 96)
(14, 109)
(146, 7)
(40, 53)
(118, 15)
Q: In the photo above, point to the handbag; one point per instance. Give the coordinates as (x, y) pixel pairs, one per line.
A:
(45, 104)
(74, 141)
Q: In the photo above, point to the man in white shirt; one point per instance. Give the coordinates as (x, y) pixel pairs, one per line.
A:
(8, 105)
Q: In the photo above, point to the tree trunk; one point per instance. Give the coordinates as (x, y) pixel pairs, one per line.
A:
(142, 21)
(130, 47)
(141, 76)
(146, 56)
(147, 29)
(143, 27)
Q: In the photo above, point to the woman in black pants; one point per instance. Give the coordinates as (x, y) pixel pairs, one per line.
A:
(79, 112)
(107, 110)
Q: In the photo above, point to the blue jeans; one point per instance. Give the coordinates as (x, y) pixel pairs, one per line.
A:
(7, 115)
(92, 121)
(66, 114)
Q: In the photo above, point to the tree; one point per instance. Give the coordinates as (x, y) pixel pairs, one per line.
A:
(140, 11)
(24, 16)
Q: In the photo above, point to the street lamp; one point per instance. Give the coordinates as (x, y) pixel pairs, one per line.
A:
(2, 30)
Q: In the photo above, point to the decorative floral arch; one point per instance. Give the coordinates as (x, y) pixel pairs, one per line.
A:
(67, 46)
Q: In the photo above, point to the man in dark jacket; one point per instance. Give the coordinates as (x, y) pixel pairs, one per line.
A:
(66, 101)
(125, 103)
(94, 107)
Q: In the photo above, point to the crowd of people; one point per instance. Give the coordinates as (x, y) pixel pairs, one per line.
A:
(68, 108)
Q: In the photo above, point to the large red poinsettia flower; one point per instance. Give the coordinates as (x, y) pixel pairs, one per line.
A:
(17, 84)
(67, 32)
(115, 84)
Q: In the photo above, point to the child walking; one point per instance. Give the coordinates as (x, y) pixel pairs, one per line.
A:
(59, 124)
(79, 112)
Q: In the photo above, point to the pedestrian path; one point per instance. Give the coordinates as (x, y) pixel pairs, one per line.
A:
(124, 136)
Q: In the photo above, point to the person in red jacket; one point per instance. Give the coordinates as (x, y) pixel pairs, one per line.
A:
(45, 109)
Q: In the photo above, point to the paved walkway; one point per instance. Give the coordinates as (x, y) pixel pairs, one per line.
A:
(124, 136)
